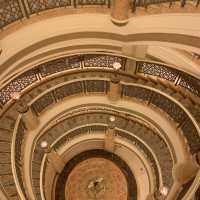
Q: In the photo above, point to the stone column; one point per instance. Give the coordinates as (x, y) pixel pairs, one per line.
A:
(53, 157)
(131, 66)
(30, 119)
(120, 12)
(135, 51)
(109, 143)
(109, 139)
(198, 158)
(174, 191)
(114, 93)
(129, 50)
(56, 161)
(150, 197)
(184, 172)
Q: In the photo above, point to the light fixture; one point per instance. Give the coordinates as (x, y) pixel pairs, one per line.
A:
(164, 191)
(15, 95)
(117, 65)
(112, 118)
(44, 144)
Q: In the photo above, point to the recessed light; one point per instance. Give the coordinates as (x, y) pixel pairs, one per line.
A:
(117, 65)
(44, 144)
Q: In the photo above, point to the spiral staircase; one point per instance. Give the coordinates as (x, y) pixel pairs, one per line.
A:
(99, 99)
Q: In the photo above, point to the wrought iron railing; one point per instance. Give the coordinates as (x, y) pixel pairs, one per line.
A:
(7, 182)
(179, 78)
(12, 10)
(185, 188)
(171, 108)
(197, 194)
(146, 3)
(102, 61)
(43, 71)
(99, 86)
(174, 110)
(17, 156)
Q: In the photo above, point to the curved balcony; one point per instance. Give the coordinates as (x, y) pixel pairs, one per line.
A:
(91, 130)
(139, 87)
(142, 93)
(101, 61)
(14, 11)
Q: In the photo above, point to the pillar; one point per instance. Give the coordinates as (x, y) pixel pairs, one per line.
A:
(110, 139)
(150, 197)
(53, 157)
(173, 193)
(184, 172)
(29, 117)
(198, 158)
(129, 51)
(56, 161)
(135, 51)
(120, 12)
(114, 93)
(131, 66)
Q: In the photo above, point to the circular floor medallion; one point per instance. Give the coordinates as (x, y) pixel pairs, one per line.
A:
(96, 179)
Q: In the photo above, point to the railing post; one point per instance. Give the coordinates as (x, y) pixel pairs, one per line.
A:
(53, 157)
(114, 93)
(120, 12)
(133, 51)
(198, 2)
(109, 143)
(184, 172)
(134, 6)
(183, 2)
(30, 119)
(174, 191)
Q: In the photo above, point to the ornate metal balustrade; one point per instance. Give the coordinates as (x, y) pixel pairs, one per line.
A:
(179, 78)
(184, 190)
(19, 156)
(159, 70)
(165, 104)
(88, 86)
(197, 194)
(171, 108)
(146, 3)
(36, 6)
(17, 85)
(190, 83)
(12, 10)
(92, 2)
(6, 178)
(103, 61)
(42, 71)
